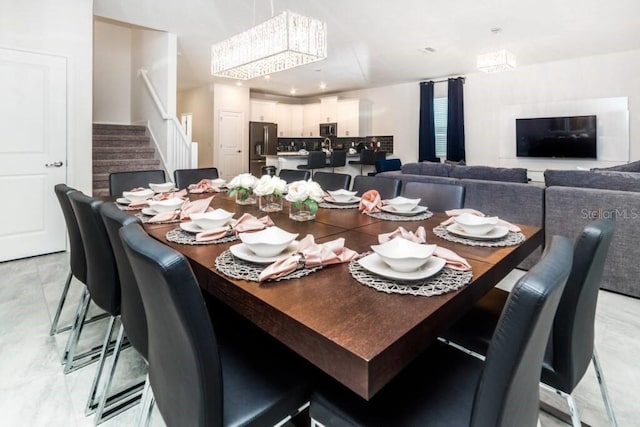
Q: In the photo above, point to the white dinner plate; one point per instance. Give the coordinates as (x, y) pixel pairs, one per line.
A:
(415, 211)
(192, 227)
(149, 212)
(350, 201)
(123, 201)
(243, 252)
(376, 265)
(498, 232)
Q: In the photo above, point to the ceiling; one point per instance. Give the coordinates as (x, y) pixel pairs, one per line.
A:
(376, 43)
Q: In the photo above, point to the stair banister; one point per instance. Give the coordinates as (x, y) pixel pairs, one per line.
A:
(181, 152)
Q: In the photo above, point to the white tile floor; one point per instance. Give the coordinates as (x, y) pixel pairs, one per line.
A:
(35, 392)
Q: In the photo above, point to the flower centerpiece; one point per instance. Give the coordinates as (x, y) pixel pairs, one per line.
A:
(304, 197)
(242, 187)
(269, 191)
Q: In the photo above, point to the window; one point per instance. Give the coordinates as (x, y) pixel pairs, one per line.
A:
(440, 122)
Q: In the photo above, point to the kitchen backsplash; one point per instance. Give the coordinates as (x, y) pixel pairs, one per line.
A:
(385, 143)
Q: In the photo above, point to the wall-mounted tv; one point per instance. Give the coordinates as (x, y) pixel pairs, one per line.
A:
(560, 137)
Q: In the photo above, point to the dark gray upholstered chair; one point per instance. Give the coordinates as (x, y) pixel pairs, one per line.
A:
(571, 346)
(188, 360)
(446, 387)
(125, 181)
(183, 177)
(385, 165)
(103, 284)
(367, 158)
(291, 175)
(330, 181)
(387, 187)
(436, 196)
(315, 160)
(338, 159)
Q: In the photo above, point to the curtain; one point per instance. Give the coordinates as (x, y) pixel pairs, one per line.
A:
(455, 120)
(426, 132)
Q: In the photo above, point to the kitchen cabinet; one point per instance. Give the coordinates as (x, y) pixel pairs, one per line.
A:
(311, 120)
(297, 120)
(329, 109)
(263, 111)
(354, 117)
(283, 119)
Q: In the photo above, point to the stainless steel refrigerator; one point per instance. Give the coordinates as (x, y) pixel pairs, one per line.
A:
(263, 141)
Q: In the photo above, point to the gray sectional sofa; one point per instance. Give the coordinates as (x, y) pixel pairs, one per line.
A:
(563, 205)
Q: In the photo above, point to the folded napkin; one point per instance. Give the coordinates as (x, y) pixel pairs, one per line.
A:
(245, 223)
(453, 260)
(309, 254)
(188, 207)
(370, 202)
(455, 212)
(204, 186)
(182, 194)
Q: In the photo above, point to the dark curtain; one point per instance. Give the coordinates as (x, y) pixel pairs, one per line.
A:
(427, 132)
(455, 120)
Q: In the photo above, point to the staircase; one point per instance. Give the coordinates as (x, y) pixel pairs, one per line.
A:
(118, 148)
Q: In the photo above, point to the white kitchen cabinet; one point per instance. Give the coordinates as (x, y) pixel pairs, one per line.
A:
(354, 117)
(263, 111)
(283, 119)
(297, 120)
(311, 120)
(329, 109)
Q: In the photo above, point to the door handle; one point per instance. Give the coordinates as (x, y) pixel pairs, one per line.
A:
(53, 165)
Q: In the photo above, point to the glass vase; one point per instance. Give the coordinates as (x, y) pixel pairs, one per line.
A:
(301, 212)
(245, 199)
(270, 203)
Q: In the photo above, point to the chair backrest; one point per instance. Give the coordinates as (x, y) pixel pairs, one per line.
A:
(184, 362)
(77, 258)
(438, 197)
(291, 175)
(388, 188)
(381, 155)
(572, 338)
(507, 393)
(338, 159)
(388, 165)
(125, 181)
(131, 308)
(183, 177)
(317, 160)
(368, 157)
(332, 181)
(102, 274)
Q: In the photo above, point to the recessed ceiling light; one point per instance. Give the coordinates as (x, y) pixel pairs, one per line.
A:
(323, 85)
(267, 77)
(427, 49)
(292, 91)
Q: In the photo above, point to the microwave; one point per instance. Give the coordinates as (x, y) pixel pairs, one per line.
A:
(328, 129)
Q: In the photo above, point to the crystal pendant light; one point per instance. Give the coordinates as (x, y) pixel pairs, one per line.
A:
(493, 62)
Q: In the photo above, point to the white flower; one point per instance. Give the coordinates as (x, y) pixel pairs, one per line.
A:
(244, 180)
(270, 185)
(299, 191)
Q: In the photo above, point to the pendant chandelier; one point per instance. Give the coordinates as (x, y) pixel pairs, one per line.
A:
(493, 62)
(282, 42)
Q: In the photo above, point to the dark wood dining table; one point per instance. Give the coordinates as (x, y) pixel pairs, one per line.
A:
(359, 336)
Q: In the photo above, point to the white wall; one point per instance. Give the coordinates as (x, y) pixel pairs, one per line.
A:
(231, 98)
(35, 25)
(199, 102)
(111, 73)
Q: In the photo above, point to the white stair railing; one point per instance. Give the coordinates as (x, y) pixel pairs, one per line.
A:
(181, 153)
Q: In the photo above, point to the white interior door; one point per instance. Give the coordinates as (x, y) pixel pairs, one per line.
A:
(231, 142)
(33, 114)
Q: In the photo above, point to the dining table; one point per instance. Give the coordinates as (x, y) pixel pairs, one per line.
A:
(360, 336)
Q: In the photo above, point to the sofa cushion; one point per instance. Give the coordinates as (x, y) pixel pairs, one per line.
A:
(627, 167)
(606, 180)
(489, 173)
(411, 168)
(406, 177)
(435, 169)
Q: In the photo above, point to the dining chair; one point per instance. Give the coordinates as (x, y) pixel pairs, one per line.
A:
(133, 321)
(571, 346)
(291, 175)
(367, 157)
(103, 286)
(315, 160)
(330, 181)
(199, 374)
(446, 387)
(125, 181)
(338, 159)
(388, 188)
(183, 177)
(438, 197)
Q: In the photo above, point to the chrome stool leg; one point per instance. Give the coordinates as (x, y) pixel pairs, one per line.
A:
(91, 402)
(573, 409)
(72, 342)
(603, 388)
(146, 406)
(54, 324)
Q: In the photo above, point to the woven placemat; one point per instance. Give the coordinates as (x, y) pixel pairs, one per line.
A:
(334, 206)
(145, 219)
(178, 235)
(511, 239)
(447, 280)
(386, 216)
(237, 268)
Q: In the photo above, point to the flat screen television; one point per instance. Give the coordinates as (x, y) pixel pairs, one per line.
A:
(557, 137)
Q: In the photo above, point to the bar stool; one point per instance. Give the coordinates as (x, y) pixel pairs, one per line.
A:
(316, 160)
(367, 157)
(338, 159)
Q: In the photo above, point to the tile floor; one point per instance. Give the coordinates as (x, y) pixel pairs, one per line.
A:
(34, 391)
